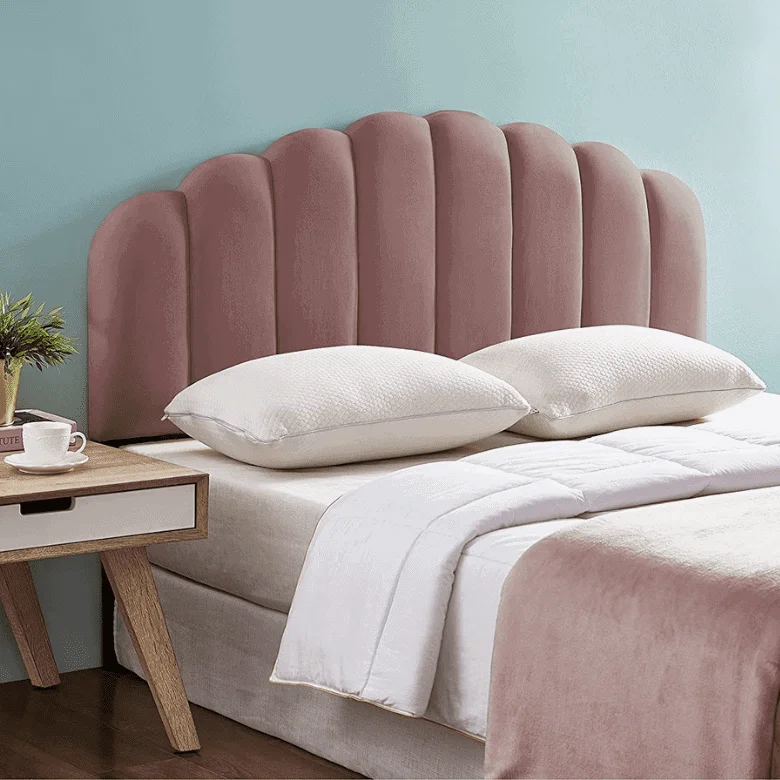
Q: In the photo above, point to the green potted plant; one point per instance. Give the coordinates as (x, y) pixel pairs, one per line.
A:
(27, 335)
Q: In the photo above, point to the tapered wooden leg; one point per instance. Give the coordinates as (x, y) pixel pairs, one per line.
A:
(131, 579)
(20, 602)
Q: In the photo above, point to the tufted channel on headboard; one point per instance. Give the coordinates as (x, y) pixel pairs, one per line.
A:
(443, 233)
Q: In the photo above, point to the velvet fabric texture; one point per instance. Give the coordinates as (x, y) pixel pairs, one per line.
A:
(656, 648)
(442, 233)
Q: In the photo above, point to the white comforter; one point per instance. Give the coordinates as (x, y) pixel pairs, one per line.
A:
(419, 556)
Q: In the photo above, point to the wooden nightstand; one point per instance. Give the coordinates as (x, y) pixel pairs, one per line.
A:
(116, 504)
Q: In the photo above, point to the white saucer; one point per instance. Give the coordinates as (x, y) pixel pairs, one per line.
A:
(21, 462)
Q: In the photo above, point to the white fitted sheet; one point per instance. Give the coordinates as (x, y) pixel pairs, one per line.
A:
(262, 520)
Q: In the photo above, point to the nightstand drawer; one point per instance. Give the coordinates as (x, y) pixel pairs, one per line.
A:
(105, 516)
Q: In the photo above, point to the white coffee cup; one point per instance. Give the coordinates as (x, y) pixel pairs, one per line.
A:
(45, 443)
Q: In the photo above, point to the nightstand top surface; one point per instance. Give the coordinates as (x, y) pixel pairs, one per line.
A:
(109, 470)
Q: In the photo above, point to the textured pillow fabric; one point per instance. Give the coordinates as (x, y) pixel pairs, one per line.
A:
(584, 381)
(333, 405)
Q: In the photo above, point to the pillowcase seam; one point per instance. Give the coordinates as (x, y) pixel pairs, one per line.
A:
(646, 398)
(251, 437)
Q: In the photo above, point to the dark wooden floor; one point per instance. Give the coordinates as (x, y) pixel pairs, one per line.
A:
(102, 724)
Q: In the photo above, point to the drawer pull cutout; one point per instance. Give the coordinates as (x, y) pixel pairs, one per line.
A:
(47, 505)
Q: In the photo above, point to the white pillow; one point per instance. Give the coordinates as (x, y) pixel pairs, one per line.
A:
(335, 405)
(584, 381)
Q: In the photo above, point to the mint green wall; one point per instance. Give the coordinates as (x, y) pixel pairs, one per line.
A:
(101, 99)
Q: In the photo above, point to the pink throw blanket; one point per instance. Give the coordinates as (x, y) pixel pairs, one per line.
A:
(646, 644)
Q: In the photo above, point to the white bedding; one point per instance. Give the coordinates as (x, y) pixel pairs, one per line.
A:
(422, 643)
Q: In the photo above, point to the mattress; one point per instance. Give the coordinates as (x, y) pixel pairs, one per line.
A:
(262, 520)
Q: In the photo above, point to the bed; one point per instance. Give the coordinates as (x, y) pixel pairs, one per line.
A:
(443, 233)
(226, 601)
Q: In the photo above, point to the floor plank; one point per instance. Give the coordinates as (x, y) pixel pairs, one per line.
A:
(171, 769)
(20, 759)
(76, 738)
(105, 724)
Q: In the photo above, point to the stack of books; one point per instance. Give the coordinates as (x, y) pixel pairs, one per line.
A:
(11, 435)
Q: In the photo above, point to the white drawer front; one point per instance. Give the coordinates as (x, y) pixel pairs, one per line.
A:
(100, 517)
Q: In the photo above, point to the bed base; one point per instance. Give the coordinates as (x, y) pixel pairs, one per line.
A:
(226, 648)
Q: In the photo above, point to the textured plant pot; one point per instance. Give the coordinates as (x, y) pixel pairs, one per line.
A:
(9, 390)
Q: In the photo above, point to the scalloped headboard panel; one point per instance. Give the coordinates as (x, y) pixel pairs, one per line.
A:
(442, 233)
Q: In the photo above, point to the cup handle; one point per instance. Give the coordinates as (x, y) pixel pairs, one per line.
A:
(83, 438)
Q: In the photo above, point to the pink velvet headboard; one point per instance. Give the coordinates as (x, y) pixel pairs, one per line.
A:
(442, 233)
